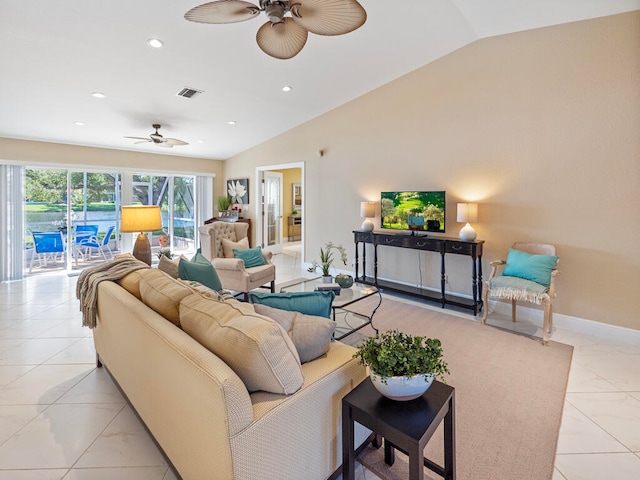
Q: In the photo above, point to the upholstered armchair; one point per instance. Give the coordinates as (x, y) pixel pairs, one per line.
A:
(217, 241)
(528, 276)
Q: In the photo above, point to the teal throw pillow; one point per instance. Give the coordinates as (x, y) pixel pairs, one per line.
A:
(309, 303)
(252, 257)
(199, 269)
(536, 268)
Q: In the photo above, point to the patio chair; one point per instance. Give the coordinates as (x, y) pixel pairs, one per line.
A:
(47, 246)
(85, 232)
(93, 244)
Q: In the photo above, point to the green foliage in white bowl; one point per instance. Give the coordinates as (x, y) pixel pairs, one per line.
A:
(396, 354)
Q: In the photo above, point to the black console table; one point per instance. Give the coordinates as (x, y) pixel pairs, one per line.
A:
(440, 245)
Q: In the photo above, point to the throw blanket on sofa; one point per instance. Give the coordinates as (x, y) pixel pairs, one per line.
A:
(90, 278)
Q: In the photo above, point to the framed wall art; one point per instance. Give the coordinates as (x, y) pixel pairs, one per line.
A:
(238, 190)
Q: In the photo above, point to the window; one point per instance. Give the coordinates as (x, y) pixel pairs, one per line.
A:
(73, 201)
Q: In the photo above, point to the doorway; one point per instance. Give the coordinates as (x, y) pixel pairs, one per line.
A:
(280, 210)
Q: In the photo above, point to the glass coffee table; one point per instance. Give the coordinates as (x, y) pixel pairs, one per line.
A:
(347, 320)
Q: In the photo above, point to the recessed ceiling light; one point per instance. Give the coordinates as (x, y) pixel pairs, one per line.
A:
(79, 124)
(286, 88)
(155, 43)
(200, 141)
(98, 95)
(231, 122)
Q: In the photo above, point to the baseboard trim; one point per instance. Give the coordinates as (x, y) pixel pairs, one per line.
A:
(575, 324)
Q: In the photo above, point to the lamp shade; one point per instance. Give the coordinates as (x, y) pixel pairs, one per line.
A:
(467, 212)
(140, 218)
(368, 209)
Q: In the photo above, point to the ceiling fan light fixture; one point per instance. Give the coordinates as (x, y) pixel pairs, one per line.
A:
(275, 12)
(158, 139)
(290, 21)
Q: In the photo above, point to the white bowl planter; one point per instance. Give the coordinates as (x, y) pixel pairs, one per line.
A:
(402, 388)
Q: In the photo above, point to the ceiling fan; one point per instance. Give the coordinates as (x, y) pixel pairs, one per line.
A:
(159, 140)
(284, 35)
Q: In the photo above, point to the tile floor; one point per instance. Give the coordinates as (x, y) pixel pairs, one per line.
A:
(61, 418)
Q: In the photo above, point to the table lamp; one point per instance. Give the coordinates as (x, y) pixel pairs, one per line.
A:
(367, 211)
(141, 218)
(467, 213)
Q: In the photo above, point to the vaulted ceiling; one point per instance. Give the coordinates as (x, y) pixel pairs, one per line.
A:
(54, 55)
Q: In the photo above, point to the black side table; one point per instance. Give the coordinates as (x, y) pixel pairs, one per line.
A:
(406, 426)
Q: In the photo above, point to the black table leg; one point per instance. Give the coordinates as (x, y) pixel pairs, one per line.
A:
(416, 462)
(389, 452)
(348, 455)
(450, 441)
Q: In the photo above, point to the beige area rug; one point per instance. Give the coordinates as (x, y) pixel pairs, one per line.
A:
(510, 393)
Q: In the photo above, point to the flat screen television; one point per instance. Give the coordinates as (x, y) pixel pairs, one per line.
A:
(415, 211)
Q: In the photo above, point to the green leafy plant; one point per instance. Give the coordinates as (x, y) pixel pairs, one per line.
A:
(395, 354)
(165, 252)
(326, 258)
(223, 203)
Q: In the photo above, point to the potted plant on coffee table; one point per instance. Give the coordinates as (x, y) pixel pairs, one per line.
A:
(326, 259)
(402, 366)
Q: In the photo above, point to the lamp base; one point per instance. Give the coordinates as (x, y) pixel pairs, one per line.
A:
(467, 233)
(367, 226)
(142, 249)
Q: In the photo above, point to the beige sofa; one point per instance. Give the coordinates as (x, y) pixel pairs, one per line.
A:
(199, 410)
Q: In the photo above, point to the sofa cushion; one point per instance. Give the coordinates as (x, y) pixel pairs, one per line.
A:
(162, 293)
(170, 265)
(252, 257)
(310, 303)
(217, 295)
(255, 347)
(228, 246)
(310, 334)
(131, 283)
(201, 270)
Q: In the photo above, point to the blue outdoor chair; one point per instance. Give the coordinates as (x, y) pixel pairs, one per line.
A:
(101, 245)
(47, 247)
(85, 232)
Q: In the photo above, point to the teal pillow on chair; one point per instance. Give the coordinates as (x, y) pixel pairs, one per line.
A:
(536, 268)
(252, 257)
(201, 270)
(309, 303)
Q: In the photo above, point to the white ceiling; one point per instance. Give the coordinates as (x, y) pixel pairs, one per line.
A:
(54, 54)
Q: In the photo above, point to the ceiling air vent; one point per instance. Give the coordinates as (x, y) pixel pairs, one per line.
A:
(187, 92)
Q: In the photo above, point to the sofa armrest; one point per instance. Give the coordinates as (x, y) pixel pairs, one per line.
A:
(233, 264)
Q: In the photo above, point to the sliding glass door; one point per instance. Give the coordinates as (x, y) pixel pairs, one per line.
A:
(83, 205)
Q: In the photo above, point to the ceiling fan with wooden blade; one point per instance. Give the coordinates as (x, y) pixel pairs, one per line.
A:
(285, 33)
(159, 140)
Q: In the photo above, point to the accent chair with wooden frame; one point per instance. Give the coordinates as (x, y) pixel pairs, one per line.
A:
(526, 285)
(232, 271)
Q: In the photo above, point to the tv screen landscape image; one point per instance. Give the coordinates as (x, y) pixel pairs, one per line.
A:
(415, 211)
